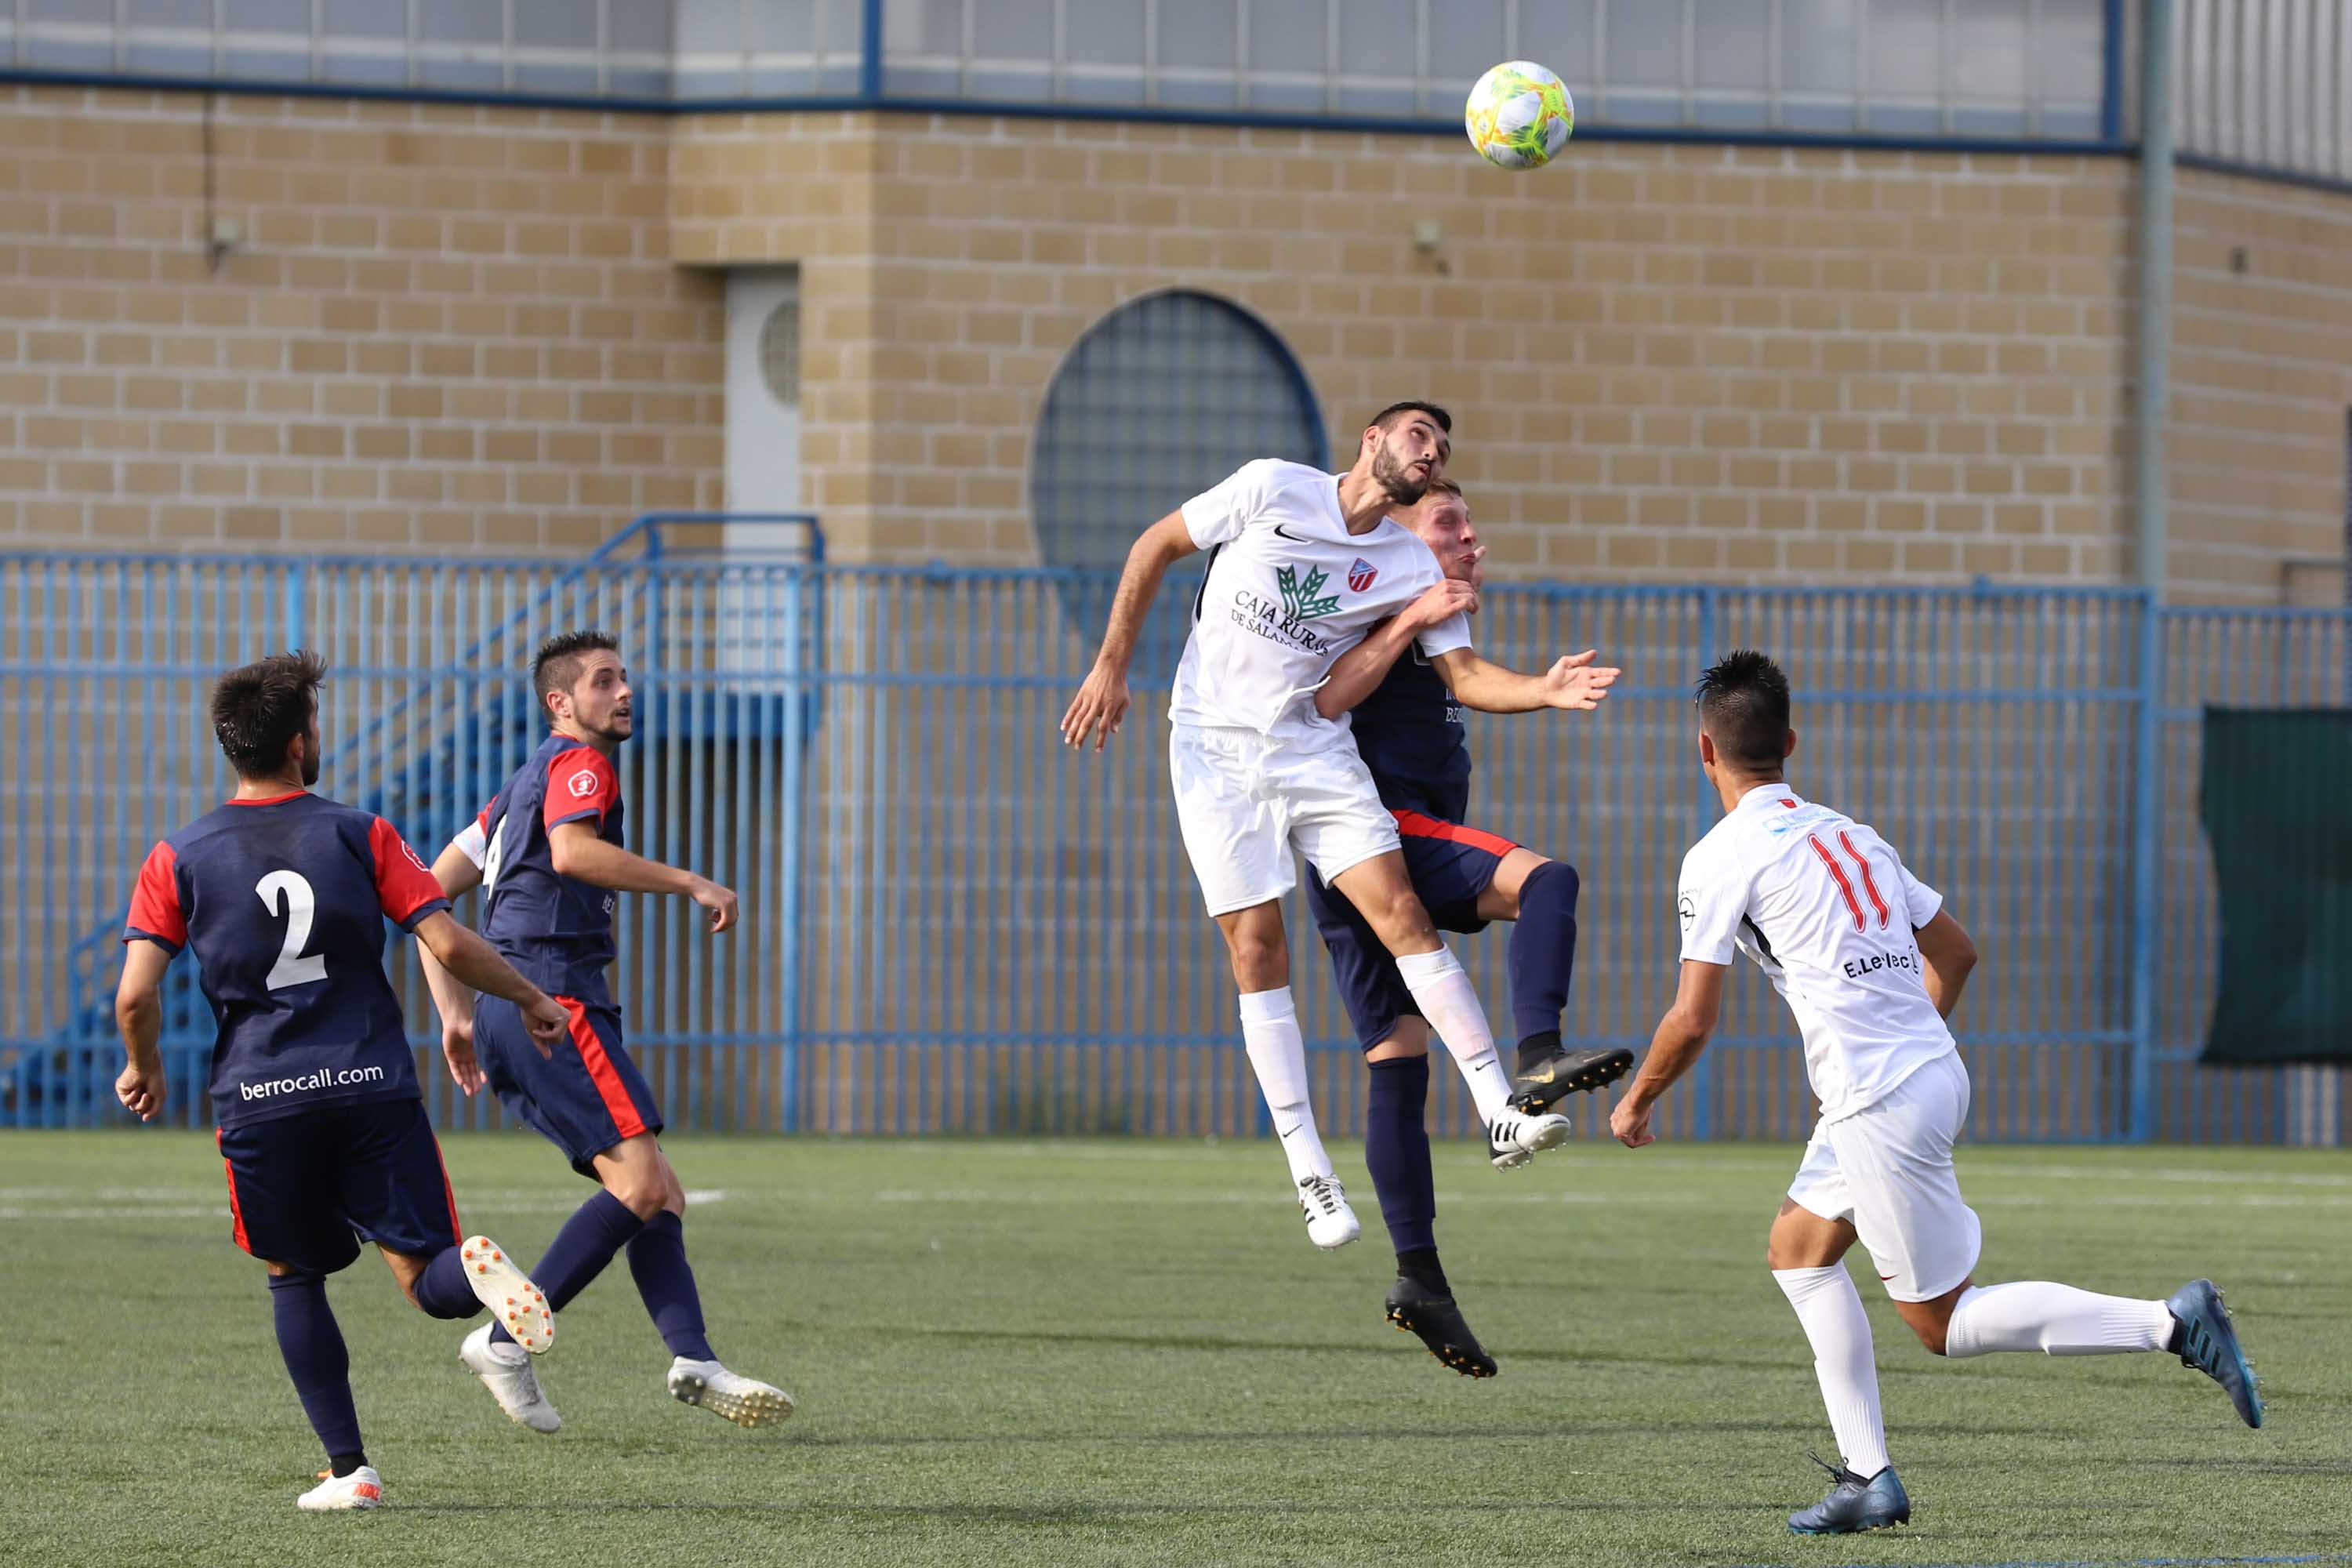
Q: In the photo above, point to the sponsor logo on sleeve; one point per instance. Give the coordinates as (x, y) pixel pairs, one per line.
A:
(583, 784)
(413, 857)
(1689, 910)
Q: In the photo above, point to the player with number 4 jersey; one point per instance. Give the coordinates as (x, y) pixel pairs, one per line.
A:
(282, 895)
(1871, 963)
(547, 853)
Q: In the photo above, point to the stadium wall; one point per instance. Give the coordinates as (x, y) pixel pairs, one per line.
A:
(442, 329)
(457, 328)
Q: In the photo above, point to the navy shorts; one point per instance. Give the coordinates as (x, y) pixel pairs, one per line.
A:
(303, 1189)
(586, 1098)
(1450, 865)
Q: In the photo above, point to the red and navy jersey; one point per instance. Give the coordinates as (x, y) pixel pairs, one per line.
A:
(557, 930)
(1410, 735)
(284, 902)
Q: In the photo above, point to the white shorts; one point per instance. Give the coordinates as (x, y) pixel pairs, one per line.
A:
(1889, 1169)
(1244, 801)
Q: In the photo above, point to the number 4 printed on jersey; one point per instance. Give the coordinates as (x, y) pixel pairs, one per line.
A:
(301, 905)
(1846, 884)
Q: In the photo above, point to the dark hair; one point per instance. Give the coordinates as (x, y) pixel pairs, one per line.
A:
(1743, 702)
(1387, 418)
(556, 666)
(1441, 486)
(258, 709)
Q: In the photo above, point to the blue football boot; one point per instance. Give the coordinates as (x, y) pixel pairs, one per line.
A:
(1854, 1503)
(2209, 1342)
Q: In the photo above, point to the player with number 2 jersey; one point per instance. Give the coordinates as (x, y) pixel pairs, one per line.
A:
(283, 895)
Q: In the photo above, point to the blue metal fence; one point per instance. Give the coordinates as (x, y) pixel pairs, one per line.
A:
(954, 925)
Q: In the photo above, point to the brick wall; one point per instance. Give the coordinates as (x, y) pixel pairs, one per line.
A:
(445, 329)
(481, 330)
(2262, 380)
(1685, 362)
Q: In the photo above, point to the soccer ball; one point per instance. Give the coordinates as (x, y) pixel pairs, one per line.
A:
(1519, 115)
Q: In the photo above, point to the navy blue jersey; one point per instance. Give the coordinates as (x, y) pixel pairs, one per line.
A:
(1410, 734)
(284, 902)
(557, 930)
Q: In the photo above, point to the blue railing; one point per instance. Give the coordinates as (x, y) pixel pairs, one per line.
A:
(953, 924)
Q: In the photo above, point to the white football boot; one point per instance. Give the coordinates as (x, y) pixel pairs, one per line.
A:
(500, 1285)
(1330, 1223)
(1514, 1138)
(745, 1401)
(333, 1494)
(508, 1374)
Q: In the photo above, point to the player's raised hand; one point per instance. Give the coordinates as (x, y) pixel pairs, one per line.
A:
(1575, 682)
(1441, 604)
(1098, 709)
(720, 901)
(548, 1021)
(140, 1089)
(1630, 1123)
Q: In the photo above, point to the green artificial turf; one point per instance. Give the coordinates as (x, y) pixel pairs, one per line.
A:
(1010, 1352)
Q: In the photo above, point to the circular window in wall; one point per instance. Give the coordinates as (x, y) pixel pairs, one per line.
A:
(1159, 400)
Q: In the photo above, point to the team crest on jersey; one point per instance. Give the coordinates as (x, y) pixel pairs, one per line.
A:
(1361, 576)
(583, 784)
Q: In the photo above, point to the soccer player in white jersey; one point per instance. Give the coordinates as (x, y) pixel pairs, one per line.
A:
(1871, 965)
(1304, 563)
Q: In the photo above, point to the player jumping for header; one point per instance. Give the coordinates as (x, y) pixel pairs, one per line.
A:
(283, 894)
(547, 854)
(1408, 731)
(1304, 563)
(1871, 965)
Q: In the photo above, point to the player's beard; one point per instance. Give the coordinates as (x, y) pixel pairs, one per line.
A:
(1404, 487)
(310, 763)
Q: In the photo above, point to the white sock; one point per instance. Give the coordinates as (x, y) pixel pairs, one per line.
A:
(1278, 1052)
(2058, 1319)
(1450, 1003)
(1830, 1309)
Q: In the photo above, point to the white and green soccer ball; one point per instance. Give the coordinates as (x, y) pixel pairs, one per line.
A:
(1519, 115)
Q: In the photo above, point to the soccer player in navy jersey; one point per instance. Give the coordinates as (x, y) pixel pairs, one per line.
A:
(547, 854)
(1408, 731)
(283, 894)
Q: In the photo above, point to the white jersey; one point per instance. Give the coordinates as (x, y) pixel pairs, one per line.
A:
(1828, 910)
(1288, 591)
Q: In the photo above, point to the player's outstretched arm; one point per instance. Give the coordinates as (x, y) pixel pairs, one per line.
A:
(475, 963)
(1947, 954)
(1102, 700)
(1574, 681)
(458, 874)
(578, 852)
(1681, 1036)
(139, 1018)
(1358, 672)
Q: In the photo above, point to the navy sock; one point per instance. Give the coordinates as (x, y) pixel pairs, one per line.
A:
(597, 1229)
(312, 1344)
(441, 1290)
(1396, 1148)
(658, 1259)
(1543, 949)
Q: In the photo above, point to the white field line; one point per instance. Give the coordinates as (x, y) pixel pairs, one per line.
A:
(179, 1202)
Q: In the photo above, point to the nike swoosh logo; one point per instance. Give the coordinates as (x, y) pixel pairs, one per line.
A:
(1541, 1075)
(1294, 539)
(1884, 1278)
